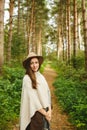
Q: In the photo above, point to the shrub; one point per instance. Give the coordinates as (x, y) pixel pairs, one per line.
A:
(71, 92)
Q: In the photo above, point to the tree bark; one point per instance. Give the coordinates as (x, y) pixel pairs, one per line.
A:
(59, 32)
(79, 36)
(66, 34)
(31, 28)
(85, 31)
(18, 29)
(11, 7)
(68, 23)
(1, 33)
(75, 33)
(39, 46)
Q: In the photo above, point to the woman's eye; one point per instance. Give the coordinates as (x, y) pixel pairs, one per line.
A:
(36, 62)
(31, 63)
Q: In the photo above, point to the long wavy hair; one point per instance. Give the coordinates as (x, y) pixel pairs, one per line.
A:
(31, 74)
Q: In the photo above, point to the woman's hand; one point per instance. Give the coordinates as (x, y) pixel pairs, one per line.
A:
(48, 115)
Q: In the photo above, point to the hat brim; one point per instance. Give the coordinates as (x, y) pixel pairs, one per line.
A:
(26, 61)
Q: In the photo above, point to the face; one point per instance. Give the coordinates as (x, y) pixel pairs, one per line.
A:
(34, 64)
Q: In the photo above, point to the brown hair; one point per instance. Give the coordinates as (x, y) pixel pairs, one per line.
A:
(31, 75)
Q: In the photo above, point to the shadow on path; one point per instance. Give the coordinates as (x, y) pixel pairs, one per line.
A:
(59, 119)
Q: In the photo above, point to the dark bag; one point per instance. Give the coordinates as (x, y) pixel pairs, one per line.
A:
(45, 122)
(38, 122)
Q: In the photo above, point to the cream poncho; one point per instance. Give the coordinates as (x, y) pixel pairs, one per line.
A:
(33, 99)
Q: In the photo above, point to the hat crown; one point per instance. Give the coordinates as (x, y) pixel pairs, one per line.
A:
(32, 54)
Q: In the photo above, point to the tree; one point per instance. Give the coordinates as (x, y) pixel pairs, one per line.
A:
(59, 31)
(85, 31)
(1, 32)
(30, 35)
(75, 32)
(19, 16)
(11, 7)
(69, 39)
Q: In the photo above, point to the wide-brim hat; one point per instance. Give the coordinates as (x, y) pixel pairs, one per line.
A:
(30, 56)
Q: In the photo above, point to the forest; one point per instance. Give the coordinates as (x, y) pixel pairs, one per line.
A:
(57, 30)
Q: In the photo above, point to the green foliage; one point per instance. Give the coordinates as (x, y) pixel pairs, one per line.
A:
(43, 66)
(10, 92)
(78, 62)
(18, 46)
(71, 91)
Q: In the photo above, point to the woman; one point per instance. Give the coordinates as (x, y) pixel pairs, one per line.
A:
(35, 97)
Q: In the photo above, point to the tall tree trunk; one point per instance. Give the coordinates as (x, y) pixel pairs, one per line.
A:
(11, 7)
(62, 37)
(62, 29)
(39, 46)
(59, 45)
(31, 27)
(85, 31)
(58, 36)
(79, 34)
(59, 32)
(18, 28)
(33, 36)
(57, 39)
(1, 33)
(75, 33)
(27, 25)
(66, 34)
(68, 23)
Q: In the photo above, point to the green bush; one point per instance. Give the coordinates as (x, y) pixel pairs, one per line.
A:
(10, 92)
(71, 92)
(79, 61)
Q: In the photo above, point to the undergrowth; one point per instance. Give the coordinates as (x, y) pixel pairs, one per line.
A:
(71, 91)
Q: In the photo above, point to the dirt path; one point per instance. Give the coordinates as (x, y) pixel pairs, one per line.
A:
(59, 120)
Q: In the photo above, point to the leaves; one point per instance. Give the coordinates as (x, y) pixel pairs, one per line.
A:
(72, 95)
(10, 92)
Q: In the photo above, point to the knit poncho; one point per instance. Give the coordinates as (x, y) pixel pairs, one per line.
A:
(33, 99)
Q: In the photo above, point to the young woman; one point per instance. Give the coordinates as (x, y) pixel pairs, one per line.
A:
(35, 98)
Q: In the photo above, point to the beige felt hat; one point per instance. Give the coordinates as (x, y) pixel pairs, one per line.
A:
(30, 56)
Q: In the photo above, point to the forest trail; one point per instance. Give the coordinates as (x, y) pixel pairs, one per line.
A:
(59, 119)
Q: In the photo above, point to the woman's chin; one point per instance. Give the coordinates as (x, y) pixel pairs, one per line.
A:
(35, 70)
